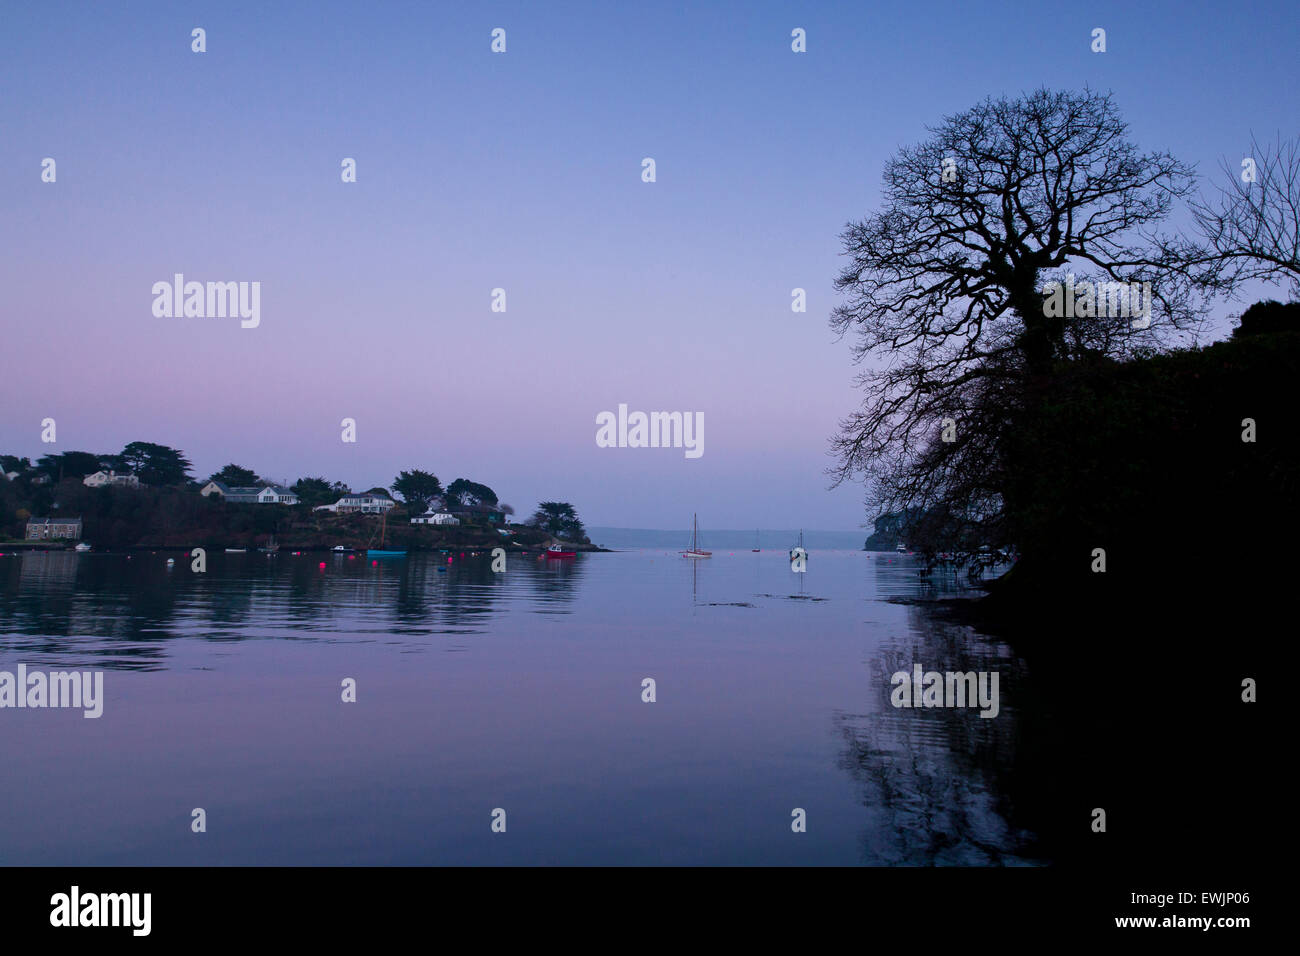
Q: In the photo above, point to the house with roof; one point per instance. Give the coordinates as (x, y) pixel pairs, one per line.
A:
(265, 493)
(44, 529)
(435, 516)
(101, 478)
(367, 503)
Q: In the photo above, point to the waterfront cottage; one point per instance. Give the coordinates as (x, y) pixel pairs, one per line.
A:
(369, 503)
(435, 517)
(43, 529)
(265, 493)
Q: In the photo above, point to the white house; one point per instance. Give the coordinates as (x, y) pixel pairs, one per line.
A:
(39, 529)
(276, 495)
(265, 493)
(101, 478)
(435, 517)
(367, 503)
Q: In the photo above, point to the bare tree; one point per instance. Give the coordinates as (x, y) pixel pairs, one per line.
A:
(1251, 229)
(944, 285)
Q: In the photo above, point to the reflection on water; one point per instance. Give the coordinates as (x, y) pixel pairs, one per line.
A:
(933, 778)
(773, 693)
(123, 610)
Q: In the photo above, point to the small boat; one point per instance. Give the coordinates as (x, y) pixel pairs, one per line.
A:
(271, 547)
(380, 552)
(82, 547)
(559, 551)
(755, 549)
(694, 550)
(339, 549)
(236, 550)
(902, 548)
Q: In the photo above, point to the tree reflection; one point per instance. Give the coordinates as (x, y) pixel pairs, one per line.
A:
(119, 612)
(938, 781)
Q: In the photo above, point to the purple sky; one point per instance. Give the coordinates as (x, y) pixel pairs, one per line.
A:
(519, 171)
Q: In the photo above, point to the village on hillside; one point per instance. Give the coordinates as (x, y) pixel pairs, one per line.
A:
(144, 497)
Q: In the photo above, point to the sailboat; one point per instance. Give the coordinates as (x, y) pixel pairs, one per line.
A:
(756, 548)
(694, 551)
(798, 549)
(380, 552)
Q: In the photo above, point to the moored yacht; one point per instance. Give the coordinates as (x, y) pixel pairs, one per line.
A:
(694, 550)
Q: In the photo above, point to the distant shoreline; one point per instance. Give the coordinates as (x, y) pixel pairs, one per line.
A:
(736, 539)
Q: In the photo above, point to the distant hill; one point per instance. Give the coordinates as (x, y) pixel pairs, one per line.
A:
(729, 540)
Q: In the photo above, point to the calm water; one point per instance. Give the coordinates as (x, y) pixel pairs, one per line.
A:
(519, 690)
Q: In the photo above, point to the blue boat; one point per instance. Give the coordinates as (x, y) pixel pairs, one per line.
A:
(380, 552)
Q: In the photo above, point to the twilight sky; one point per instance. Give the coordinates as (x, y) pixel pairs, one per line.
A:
(519, 170)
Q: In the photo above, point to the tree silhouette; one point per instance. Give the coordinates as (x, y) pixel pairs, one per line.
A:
(69, 464)
(945, 284)
(235, 476)
(1251, 229)
(156, 464)
(1265, 318)
(314, 491)
(558, 518)
(417, 488)
(463, 493)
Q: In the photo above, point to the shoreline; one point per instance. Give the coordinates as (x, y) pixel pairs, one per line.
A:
(289, 549)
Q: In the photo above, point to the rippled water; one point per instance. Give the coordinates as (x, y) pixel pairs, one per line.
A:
(520, 691)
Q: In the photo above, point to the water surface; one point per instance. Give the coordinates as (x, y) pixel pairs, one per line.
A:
(520, 691)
